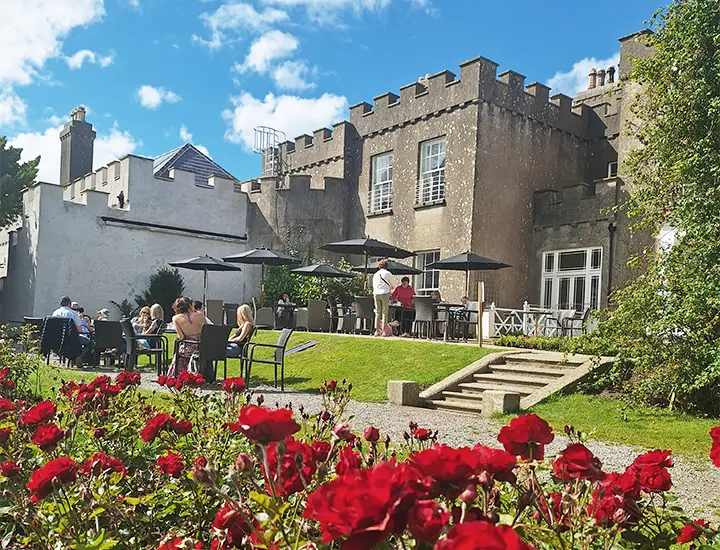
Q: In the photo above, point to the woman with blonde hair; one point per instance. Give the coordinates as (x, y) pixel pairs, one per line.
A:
(157, 321)
(246, 325)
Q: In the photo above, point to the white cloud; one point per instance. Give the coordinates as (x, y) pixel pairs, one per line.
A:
(329, 11)
(204, 150)
(235, 17)
(108, 146)
(271, 46)
(134, 3)
(152, 98)
(12, 108)
(576, 79)
(290, 114)
(292, 75)
(185, 135)
(33, 32)
(78, 59)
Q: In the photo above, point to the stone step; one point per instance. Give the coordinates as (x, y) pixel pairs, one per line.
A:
(480, 387)
(552, 373)
(521, 379)
(463, 396)
(455, 405)
(554, 359)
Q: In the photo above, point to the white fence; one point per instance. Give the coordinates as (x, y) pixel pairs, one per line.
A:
(530, 321)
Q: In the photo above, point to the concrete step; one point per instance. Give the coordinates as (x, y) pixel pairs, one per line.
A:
(528, 369)
(479, 387)
(463, 396)
(521, 379)
(552, 358)
(455, 405)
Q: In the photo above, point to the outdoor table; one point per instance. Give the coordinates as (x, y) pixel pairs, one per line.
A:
(450, 309)
(403, 311)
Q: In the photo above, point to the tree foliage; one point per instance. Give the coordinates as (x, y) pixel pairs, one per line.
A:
(667, 322)
(166, 285)
(15, 177)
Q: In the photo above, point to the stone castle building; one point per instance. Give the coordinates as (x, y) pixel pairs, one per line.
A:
(480, 162)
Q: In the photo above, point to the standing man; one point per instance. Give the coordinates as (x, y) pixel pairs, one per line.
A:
(383, 283)
(67, 312)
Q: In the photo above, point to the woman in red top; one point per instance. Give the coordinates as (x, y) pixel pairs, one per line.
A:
(404, 294)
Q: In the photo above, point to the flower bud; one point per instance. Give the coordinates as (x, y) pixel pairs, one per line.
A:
(620, 516)
(485, 479)
(342, 431)
(493, 517)
(260, 400)
(332, 384)
(200, 470)
(371, 434)
(98, 433)
(469, 495)
(325, 415)
(243, 463)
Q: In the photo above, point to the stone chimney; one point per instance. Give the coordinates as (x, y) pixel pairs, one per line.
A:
(610, 74)
(76, 147)
(592, 81)
(601, 77)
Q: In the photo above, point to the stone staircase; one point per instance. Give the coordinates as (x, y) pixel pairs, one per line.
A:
(508, 381)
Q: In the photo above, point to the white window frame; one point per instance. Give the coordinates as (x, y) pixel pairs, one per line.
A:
(431, 183)
(422, 259)
(588, 276)
(381, 190)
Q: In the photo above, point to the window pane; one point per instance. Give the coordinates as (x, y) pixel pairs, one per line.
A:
(579, 294)
(429, 280)
(564, 298)
(380, 196)
(596, 258)
(547, 295)
(595, 292)
(549, 262)
(572, 260)
(431, 185)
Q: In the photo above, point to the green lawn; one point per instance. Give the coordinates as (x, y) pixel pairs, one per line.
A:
(611, 420)
(366, 362)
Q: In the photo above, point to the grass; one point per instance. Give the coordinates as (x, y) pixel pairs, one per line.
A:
(367, 363)
(612, 420)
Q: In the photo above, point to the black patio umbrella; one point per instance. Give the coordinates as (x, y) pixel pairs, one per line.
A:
(367, 247)
(261, 256)
(396, 268)
(322, 270)
(467, 262)
(205, 263)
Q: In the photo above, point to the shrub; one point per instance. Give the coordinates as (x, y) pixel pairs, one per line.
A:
(166, 285)
(587, 344)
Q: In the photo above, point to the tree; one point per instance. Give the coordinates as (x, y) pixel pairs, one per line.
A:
(667, 322)
(166, 285)
(15, 178)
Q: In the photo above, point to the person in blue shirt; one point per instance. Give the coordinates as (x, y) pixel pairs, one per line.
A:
(66, 311)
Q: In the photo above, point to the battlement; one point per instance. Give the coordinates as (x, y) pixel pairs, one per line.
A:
(324, 146)
(478, 82)
(573, 204)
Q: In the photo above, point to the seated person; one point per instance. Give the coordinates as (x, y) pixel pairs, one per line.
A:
(436, 297)
(103, 314)
(404, 294)
(188, 325)
(142, 321)
(284, 314)
(67, 312)
(157, 321)
(241, 336)
(198, 306)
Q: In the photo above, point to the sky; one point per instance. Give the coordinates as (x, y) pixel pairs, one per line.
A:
(154, 74)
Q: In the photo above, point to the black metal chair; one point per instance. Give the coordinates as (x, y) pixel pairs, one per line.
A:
(578, 321)
(277, 361)
(424, 316)
(213, 348)
(243, 356)
(59, 335)
(108, 337)
(158, 349)
(364, 311)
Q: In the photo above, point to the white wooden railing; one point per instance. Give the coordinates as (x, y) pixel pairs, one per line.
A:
(530, 321)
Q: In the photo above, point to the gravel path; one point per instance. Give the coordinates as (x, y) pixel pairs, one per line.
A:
(696, 484)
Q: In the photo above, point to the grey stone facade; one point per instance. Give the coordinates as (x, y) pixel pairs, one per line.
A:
(524, 173)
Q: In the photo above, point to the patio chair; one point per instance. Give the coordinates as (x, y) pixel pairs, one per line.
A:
(229, 316)
(59, 335)
(466, 322)
(158, 350)
(578, 321)
(278, 359)
(108, 337)
(318, 320)
(264, 318)
(213, 348)
(243, 355)
(365, 311)
(339, 320)
(301, 319)
(35, 324)
(424, 316)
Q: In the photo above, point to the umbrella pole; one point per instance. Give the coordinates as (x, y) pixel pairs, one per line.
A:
(365, 279)
(205, 288)
(467, 283)
(262, 285)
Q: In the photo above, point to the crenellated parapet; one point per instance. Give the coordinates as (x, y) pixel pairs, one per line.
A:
(325, 146)
(575, 204)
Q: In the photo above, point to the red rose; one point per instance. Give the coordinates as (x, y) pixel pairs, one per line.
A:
(199, 470)
(654, 458)
(154, 426)
(126, 379)
(715, 449)
(348, 460)
(47, 437)
(321, 450)
(614, 509)
(234, 385)
(654, 479)
(421, 434)
(102, 462)
(99, 433)
(365, 506)
(9, 469)
(180, 427)
(229, 521)
(343, 432)
(481, 535)
(180, 544)
(332, 384)
(500, 464)
(99, 381)
(110, 390)
(526, 436)
(286, 477)
(59, 471)
(5, 435)
(444, 470)
(69, 388)
(39, 414)
(552, 509)
(371, 434)
(170, 382)
(189, 379)
(692, 531)
(6, 406)
(427, 520)
(577, 462)
(171, 464)
(264, 425)
(162, 379)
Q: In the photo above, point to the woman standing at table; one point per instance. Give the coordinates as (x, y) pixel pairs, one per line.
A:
(383, 283)
(404, 294)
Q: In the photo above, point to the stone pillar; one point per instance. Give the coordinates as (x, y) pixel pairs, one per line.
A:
(404, 392)
(592, 79)
(76, 147)
(601, 77)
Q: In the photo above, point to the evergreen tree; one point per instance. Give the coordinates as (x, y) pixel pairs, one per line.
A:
(15, 177)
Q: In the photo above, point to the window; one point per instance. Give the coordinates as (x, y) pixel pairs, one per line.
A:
(431, 185)
(381, 184)
(571, 279)
(429, 279)
(612, 169)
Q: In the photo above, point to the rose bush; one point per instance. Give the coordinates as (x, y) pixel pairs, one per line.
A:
(98, 466)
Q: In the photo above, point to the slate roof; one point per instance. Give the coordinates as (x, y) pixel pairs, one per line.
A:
(191, 159)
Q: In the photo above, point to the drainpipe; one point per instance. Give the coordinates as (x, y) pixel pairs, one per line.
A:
(612, 227)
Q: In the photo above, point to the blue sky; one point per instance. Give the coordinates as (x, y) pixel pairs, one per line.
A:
(156, 73)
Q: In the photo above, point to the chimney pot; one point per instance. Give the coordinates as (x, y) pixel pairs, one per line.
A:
(592, 82)
(79, 113)
(611, 74)
(601, 77)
